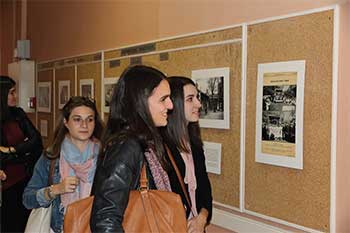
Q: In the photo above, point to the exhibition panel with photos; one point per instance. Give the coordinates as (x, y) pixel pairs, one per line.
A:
(45, 117)
(262, 87)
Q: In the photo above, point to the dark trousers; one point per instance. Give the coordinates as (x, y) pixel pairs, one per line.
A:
(14, 215)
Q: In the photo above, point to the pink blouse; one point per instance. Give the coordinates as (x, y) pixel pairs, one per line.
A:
(190, 180)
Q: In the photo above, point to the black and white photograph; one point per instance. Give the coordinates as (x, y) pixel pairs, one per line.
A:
(279, 108)
(279, 115)
(211, 95)
(109, 84)
(63, 93)
(213, 92)
(44, 96)
(87, 88)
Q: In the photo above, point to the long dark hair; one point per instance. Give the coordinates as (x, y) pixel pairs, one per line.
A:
(129, 110)
(53, 151)
(177, 131)
(6, 83)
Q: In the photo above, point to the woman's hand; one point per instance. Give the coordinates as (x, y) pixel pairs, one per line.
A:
(5, 149)
(2, 175)
(68, 185)
(197, 224)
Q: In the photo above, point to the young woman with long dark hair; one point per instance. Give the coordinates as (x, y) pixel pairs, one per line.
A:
(139, 106)
(182, 136)
(20, 148)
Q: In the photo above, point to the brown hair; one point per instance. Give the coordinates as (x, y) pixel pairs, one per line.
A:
(53, 151)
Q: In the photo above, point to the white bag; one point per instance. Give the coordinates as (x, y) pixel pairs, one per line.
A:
(39, 220)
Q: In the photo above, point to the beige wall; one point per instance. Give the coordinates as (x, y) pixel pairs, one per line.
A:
(10, 30)
(96, 25)
(187, 16)
(66, 28)
(343, 134)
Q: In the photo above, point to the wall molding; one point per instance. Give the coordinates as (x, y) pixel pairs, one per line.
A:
(241, 224)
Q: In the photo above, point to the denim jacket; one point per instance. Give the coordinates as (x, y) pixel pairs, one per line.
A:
(33, 195)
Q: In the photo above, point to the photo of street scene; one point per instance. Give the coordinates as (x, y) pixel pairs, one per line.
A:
(211, 95)
(279, 113)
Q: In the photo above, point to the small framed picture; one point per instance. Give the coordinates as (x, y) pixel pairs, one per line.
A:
(108, 87)
(87, 88)
(44, 96)
(214, 89)
(212, 152)
(280, 113)
(63, 93)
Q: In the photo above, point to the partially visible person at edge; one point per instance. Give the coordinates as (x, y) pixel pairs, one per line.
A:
(20, 147)
(2, 175)
(74, 152)
(140, 104)
(182, 135)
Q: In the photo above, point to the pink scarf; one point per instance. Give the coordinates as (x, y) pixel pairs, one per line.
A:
(160, 177)
(80, 164)
(190, 180)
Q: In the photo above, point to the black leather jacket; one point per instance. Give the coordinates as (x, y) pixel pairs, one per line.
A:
(116, 175)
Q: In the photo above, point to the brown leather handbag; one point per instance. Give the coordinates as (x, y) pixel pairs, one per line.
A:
(147, 211)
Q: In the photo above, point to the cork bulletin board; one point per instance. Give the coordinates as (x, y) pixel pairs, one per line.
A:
(32, 118)
(226, 187)
(113, 69)
(46, 76)
(63, 74)
(91, 71)
(209, 37)
(301, 197)
(297, 196)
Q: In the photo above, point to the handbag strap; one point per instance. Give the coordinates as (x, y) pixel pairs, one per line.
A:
(143, 178)
(151, 220)
(179, 177)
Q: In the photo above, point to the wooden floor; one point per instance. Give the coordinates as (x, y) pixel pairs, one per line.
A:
(216, 229)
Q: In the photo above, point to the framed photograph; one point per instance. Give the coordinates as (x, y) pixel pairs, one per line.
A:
(214, 89)
(212, 152)
(86, 88)
(43, 128)
(63, 93)
(279, 114)
(108, 86)
(44, 96)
